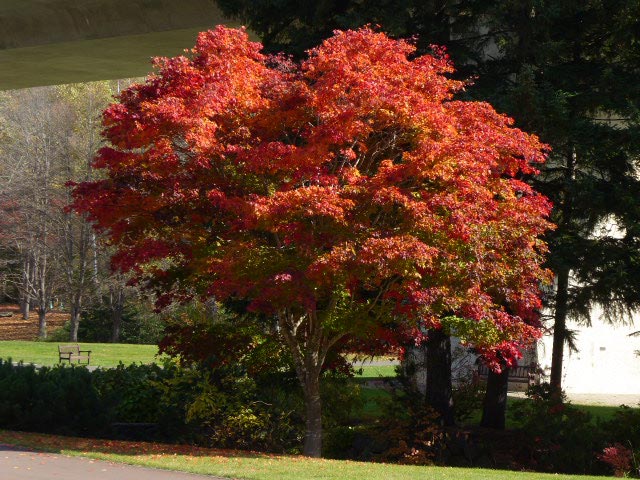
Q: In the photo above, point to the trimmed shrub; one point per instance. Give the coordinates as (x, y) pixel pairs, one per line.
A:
(54, 400)
(558, 437)
(222, 407)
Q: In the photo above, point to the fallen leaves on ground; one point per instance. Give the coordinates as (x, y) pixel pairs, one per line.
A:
(86, 445)
(17, 328)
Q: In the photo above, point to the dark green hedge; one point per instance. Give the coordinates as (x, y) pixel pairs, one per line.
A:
(222, 407)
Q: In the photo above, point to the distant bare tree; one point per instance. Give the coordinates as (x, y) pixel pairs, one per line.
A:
(80, 251)
(48, 137)
(36, 144)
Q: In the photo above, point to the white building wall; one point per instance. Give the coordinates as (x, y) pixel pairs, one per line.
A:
(606, 361)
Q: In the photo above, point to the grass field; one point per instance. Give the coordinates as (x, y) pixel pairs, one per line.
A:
(102, 354)
(597, 412)
(254, 466)
(110, 354)
(376, 371)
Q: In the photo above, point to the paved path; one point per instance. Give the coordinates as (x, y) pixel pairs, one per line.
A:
(22, 464)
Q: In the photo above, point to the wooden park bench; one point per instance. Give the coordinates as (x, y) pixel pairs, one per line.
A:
(520, 377)
(73, 353)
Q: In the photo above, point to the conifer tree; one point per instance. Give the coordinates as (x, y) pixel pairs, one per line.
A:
(567, 74)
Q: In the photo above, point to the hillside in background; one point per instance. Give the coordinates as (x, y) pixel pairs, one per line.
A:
(52, 42)
(25, 23)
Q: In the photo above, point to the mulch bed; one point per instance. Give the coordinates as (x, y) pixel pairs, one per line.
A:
(17, 328)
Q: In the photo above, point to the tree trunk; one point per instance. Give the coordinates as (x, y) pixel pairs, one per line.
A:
(308, 345)
(414, 367)
(43, 299)
(562, 275)
(25, 298)
(117, 307)
(25, 308)
(439, 391)
(75, 321)
(495, 400)
(42, 323)
(94, 247)
(116, 318)
(313, 407)
(559, 328)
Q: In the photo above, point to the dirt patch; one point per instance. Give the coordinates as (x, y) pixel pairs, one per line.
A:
(14, 327)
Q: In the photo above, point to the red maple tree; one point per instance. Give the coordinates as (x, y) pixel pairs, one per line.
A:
(330, 195)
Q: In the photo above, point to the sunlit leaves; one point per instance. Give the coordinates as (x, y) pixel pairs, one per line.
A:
(352, 182)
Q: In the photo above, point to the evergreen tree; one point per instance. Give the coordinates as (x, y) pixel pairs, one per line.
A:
(566, 72)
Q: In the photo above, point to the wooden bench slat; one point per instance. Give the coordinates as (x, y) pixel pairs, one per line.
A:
(525, 374)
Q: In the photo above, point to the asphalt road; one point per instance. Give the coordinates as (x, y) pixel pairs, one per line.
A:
(22, 464)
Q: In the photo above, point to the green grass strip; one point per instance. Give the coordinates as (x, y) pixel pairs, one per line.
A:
(102, 354)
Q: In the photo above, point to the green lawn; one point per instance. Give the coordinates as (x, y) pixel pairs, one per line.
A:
(102, 354)
(600, 412)
(375, 372)
(597, 412)
(109, 355)
(254, 466)
(373, 400)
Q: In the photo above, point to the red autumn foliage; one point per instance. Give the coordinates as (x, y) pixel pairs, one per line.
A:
(619, 457)
(331, 195)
